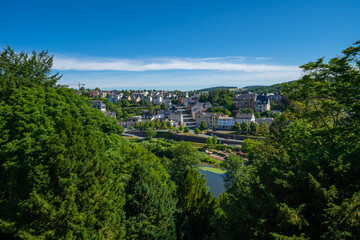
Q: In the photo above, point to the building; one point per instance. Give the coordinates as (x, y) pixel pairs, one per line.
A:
(275, 98)
(167, 102)
(268, 121)
(244, 100)
(146, 115)
(94, 93)
(110, 114)
(164, 114)
(262, 103)
(244, 117)
(126, 98)
(114, 98)
(195, 111)
(158, 99)
(135, 98)
(178, 117)
(226, 122)
(131, 120)
(103, 94)
(180, 101)
(99, 105)
(148, 99)
(211, 119)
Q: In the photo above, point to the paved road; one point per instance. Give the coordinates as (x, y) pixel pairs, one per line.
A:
(220, 139)
(132, 135)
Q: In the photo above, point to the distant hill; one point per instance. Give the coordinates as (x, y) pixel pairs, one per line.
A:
(265, 89)
(214, 88)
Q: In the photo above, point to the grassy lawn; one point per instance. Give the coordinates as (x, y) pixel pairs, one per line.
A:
(212, 169)
(198, 145)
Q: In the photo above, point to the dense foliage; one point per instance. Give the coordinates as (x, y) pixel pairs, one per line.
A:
(265, 89)
(303, 181)
(66, 173)
(219, 98)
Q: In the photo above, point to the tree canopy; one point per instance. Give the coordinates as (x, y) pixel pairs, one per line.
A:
(303, 181)
(24, 70)
(66, 173)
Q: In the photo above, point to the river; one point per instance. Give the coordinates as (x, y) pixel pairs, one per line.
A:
(214, 182)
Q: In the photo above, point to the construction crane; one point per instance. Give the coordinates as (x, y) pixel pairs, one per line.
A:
(77, 84)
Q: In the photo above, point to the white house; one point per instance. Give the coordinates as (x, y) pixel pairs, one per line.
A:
(99, 105)
(131, 120)
(177, 117)
(158, 99)
(245, 117)
(195, 110)
(167, 102)
(148, 99)
(187, 101)
(103, 94)
(226, 122)
(268, 121)
(114, 98)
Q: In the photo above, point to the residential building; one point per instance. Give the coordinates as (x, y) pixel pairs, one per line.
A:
(167, 102)
(99, 105)
(195, 110)
(131, 120)
(245, 100)
(177, 117)
(148, 99)
(114, 99)
(226, 122)
(268, 121)
(245, 117)
(275, 98)
(158, 99)
(180, 101)
(103, 94)
(262, 103)
(94, 93)
(164, 114)
(135, 98)
(146, 115)
(211, 119)
(110, 114)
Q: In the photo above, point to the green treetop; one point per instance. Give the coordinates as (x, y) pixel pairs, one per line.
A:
(245, 128)
(24, 70)
(303, 182)
(163, 106)
(237, 127)
(203, 125)
(254, 128)
(264, 129)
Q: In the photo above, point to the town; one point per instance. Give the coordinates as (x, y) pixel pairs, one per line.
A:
(219, 109)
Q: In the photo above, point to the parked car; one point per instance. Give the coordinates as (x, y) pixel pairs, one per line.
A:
(227, 138)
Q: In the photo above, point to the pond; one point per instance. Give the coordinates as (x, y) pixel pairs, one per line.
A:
(214, 181)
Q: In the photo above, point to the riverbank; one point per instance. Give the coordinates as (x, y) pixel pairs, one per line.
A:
(212, 169)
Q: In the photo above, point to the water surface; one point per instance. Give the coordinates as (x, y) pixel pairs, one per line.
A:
(214, 182)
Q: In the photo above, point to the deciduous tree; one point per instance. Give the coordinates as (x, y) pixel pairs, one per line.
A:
(203, 125)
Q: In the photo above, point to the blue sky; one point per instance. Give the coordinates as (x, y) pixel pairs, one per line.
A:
(185, 45)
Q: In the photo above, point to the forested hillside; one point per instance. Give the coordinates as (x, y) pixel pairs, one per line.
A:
(66, 173)
(265, 89)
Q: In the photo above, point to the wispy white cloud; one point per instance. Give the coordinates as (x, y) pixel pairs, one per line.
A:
(232, 63)
(172, 72)
(181, 80)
